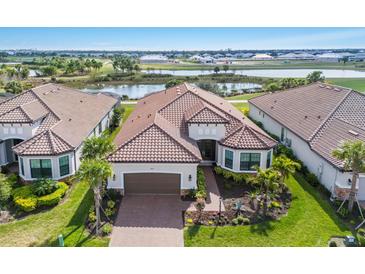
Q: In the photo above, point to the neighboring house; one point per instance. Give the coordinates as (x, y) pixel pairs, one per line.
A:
(313, 120)
(296, 56)
(173, 131)
(43, 129)
(153, 59)
(262, 56)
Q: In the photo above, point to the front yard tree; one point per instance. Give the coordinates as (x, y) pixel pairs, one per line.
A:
(96, 148)
(95, 171)
(352, 153)
(315, 76)
(216, 69)
(285, 166)
(117, 116)
(269, 183)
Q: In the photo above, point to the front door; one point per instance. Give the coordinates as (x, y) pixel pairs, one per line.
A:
(207, 149)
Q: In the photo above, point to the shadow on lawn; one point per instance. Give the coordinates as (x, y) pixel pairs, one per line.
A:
(323, 202)
(74, 233)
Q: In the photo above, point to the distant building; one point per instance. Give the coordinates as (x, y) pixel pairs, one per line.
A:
(357, 57)
(296, 56)
(332, 57)
(153, 59)
(262, 56)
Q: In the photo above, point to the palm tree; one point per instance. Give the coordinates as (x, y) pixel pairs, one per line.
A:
(352, 153)
(285, 166)
(95, 171)
(97, 148)
(269, 182)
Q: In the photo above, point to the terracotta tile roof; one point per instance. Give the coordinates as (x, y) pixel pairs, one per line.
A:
(204, 113)
(246, 137)
(342, 114)
(164, 114)
(45, 143)
(70, 113)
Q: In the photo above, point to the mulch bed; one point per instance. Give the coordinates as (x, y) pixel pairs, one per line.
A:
(234, 194)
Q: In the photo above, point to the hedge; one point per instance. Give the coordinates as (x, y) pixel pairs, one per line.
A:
(26, 200)
(202, 187)
(55, 197)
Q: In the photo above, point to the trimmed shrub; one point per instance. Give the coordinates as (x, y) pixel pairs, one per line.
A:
(107, 229)
(26, 204)
(201, 184)
(361, 236)
(25, 199)
(218, 170)
(235, 221)
(275, 204)
(333, 244)
(111, 204)
(44, 186)
(55, 197)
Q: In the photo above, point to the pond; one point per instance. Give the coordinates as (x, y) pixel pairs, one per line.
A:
(136, 91)
(271, 73)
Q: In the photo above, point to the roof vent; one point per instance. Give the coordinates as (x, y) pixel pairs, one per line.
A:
(69, 119)
(305, 117)
(353, 132)
(139, 116)
(321, 86)
(144, 102)
(319, 116)
(337, 89)
(272, 107)
(149, 115)
(275, 101)
(328, 87)
(81, 101)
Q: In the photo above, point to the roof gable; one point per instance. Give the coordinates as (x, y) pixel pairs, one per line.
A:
(45, 143)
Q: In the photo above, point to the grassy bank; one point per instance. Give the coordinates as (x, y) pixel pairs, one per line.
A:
(353, 83)
(311, 221)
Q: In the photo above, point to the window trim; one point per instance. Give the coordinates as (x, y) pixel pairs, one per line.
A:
(268, 159)
(225, 158)
(68, 165)
(22, 166)
(41, 167)
(250, 162)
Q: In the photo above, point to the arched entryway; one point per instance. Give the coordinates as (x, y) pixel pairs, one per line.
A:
(7, 154)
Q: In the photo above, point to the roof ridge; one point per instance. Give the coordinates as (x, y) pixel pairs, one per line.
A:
(44, 104)
(256, 133)
(178, 142)
(31, 141)
(328, 117)
(51, 139)
(12, 98)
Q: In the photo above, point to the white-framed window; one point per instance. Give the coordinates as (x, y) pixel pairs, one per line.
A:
(228, 158)
(248, 161)
(64, 164)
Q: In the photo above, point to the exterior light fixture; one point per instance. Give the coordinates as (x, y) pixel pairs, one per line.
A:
(190, 177)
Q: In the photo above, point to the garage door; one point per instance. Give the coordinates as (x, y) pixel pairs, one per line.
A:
(152, 183)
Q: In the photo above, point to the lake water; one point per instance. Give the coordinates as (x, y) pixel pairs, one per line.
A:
(138, 91)
(272, 73)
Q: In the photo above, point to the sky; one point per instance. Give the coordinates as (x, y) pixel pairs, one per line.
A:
(180, 38)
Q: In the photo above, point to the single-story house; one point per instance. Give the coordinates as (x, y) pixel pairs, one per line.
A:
(313, 120)
(262, 56)
(154, 59)
(43, 129)
(173, 131)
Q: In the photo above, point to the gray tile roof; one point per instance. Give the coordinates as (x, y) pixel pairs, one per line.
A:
(341, 111)
(65, 114)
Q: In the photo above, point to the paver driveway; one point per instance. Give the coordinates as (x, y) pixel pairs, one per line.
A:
(149, 220)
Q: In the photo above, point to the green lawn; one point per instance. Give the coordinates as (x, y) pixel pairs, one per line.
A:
(311, 221)
(241, 107)
(42, 229)
(353, 83)
(244, 96)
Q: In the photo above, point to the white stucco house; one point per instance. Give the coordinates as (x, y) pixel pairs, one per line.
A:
(313, 120)
(173, 131)
(43, 129)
